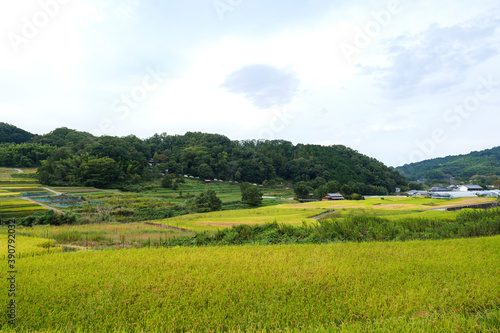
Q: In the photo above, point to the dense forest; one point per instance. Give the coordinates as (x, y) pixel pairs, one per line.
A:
(68, 157)
(485, 163)
(12, 134)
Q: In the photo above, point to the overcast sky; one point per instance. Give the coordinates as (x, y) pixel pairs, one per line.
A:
(400, 81)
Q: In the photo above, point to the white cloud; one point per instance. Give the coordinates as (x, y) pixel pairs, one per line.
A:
(89, 54)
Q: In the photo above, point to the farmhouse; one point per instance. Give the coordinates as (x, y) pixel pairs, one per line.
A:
(465, 188)
(333, 196)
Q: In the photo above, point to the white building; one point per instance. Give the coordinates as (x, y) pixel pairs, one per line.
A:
(465, 188)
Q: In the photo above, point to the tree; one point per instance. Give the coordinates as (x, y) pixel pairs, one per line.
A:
(166, 182)
(251, 195)
(345, 189)
(205, 171)
(302, 190)
(332, 186)
(98, 172)
(321, 191)
(206, 202)
(415, 186)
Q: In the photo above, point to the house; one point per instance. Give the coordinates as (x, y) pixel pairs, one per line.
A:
(207, 181)
(465, 188)
(453, 188)
(333, 196)
(438, 189)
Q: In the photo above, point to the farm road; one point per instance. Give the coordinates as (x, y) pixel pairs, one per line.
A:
(55, 192)
(46, 206)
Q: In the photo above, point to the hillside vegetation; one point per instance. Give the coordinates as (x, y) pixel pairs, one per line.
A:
(485, 163)
(70, 158)
(12, 134)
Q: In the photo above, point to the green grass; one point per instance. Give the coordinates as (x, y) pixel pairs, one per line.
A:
(159, 203)
(227, 192)
(436, 286)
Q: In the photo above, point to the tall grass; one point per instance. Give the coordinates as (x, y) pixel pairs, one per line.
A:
(363, 228)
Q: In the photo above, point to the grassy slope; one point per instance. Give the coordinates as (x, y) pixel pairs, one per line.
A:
(422, 285)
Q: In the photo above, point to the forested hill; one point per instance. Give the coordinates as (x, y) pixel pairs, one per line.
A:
(485, 162)
(12, 134)
(70, 157)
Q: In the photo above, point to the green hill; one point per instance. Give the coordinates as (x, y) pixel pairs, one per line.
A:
(485, 163)
(70, 157)
(12, 134)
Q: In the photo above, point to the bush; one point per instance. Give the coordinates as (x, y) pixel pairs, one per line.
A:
(48, 218)
(251, 195)
(206, 202)
(357, 196)
(166, 182)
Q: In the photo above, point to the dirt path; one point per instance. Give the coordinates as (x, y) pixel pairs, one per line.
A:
(55, 192)
(46, 206)
(19, 170)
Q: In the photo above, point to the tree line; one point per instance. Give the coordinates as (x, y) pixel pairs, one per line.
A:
(68, 157)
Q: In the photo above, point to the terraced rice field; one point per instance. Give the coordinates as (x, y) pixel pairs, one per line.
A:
(13, 188)
(75, 189)
(17, 207)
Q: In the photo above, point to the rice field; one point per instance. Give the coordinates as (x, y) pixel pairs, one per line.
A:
(103, 235)
(14, 207)
(431, 286)
(12, 188)
(26, 246)
(296, 214)
(75, 189)
(15, 187)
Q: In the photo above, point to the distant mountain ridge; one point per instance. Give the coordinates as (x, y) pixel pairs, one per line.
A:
(484, 162)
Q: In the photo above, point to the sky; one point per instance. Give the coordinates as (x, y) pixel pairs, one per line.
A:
(398, 80)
